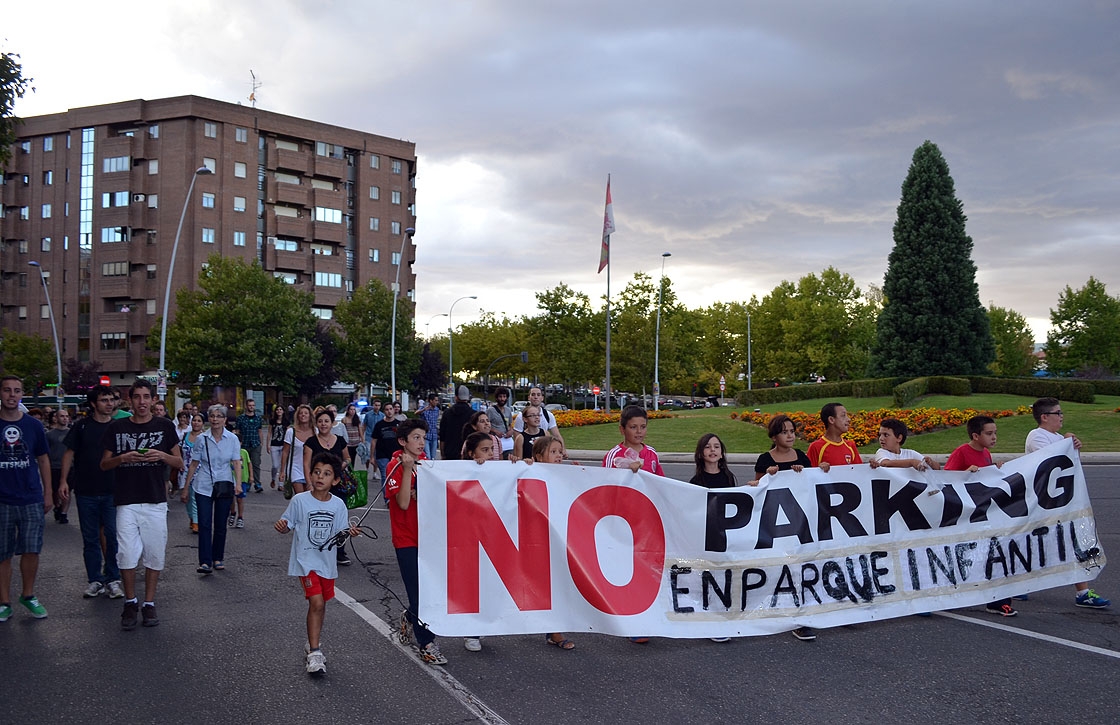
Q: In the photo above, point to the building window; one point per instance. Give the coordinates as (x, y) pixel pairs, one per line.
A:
(396, 197)
(23, 246)
(374, 224)
(286, 245)
(375, 255)
(48, 143)
(241, 135)
(207, 200)
(375, 192)
(25, 213)
(207, 235)
(285, 277)
(396, 259)
(374, 161)
(114, 341)
(283, 178)
(114, 234)
(239, 169)
(239, 203)
(210, 164)
(333, 151)
(153, 166)
(23, 279)
(48, 178)
(114, 269)
(239, 239)
(153, 201)
(328, 279)
(151, 271)
(396, 166)
(323, 313)
(395, 227)
(210, 129)
(149, 307)
(153, 131)
(116, 163)
(44, 312)
(325, 250)
(45, 244)
(326, 214)
(111, 199)
(412, 210)
(25, 147)
(22, 312)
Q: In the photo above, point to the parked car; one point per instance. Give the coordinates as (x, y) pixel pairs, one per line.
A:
(554, 407)
(520, 405)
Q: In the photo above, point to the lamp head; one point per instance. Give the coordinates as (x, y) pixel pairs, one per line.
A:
(409, 232)
(203, 171)
(35, 264)
(667, 254)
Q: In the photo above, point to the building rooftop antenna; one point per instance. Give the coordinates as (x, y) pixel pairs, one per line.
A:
(254, 84)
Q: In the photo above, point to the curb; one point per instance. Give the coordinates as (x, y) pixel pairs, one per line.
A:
(744, 459)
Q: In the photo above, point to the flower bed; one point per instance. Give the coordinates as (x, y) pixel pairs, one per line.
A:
(864, 426)
(573, 418)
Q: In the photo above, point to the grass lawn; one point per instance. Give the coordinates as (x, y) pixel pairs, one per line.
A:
(1097, 425)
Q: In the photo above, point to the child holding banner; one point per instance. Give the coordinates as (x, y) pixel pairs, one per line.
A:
(551, 450)
(831, 448)
(400, 492)
(891, 454)
(783, 456)
(632, 452)
(973, 456)
(711, 464)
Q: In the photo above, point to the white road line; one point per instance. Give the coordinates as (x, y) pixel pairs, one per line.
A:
(454, 688)
(1032, 635)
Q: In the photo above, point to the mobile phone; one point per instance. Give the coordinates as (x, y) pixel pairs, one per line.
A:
(141, 451)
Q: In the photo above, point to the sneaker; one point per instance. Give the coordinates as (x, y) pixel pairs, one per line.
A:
(240, 524)
(404, 630)
(148, 614)
(640, 640)
(94, 589)
(5, 612)
(1003, 610)
(128, 616)
(343, 559)
(316, 663)
(1022, 597)
(805, 634)
(231, 520)
(720, 640)
(473, 644)
(1089, 598)
(432, 655)
(116, 591)
(32, 604)
(259, 489)
(63, 519)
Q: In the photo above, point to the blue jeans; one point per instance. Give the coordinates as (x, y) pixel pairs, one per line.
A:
(431, 445)
(212, 514)
(95, 513)
(407, 561)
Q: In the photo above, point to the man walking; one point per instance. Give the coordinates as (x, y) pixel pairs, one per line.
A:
(430, 413)
(248, 426)
(138, 448)
(451, 427)
(501, 420)
(93, 490)
(25, 497)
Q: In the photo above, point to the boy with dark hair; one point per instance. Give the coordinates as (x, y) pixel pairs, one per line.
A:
(316, 517)
(400, 491)
(1047, 413)
(891, 454)
(973, 456)
(831, 449)
(632, 452)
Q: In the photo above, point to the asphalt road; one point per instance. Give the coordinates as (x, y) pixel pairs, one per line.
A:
(230, 648)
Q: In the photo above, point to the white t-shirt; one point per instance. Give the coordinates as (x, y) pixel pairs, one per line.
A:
(904, 454)
(297, 456)
(313, 523)
(547, 421)
(1039, 438)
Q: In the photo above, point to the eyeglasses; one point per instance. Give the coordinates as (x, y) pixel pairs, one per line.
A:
(1053, 412)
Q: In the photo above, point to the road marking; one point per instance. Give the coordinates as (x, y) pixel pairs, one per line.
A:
(454, 688)
(1032, 635)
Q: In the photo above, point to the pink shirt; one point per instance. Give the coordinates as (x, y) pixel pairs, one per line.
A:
(623, 455)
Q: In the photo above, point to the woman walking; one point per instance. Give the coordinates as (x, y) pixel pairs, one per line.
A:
(187, 447)
(215, 465)
(276, 426)
(291, 463)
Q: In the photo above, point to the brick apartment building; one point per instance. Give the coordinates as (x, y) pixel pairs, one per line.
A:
(95, 195)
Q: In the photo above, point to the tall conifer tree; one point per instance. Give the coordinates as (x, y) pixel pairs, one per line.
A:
(932, 322)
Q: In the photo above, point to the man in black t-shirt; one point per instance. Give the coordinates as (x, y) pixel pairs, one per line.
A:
(385, 439)
(139, 448)
(93, 490)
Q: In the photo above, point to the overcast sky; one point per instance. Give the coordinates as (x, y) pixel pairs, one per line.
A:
(755, 141)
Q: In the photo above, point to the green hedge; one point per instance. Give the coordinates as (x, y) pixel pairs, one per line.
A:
(911, 390)
(1106, 387)
(843, 389)
(1075, 391)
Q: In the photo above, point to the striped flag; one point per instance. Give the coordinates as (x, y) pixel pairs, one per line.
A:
(608, 229)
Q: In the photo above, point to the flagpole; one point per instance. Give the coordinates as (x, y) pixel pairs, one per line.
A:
(608, 386)
(605, 261)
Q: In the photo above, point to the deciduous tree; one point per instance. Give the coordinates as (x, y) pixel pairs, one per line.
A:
(1014, 343)
(1086, 331)
(12, 86)
(365, 321)
(30, 357)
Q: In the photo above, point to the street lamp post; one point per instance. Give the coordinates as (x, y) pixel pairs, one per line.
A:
(427, 325)
(200, 171)
(393, 331)
(54, 331)
(749, 350)
(450, 332)
(657, 334)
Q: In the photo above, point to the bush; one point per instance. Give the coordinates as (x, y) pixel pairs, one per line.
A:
(910, 391)
(1061, 388)
(843, 389)
(1106, 387)
(945, 385)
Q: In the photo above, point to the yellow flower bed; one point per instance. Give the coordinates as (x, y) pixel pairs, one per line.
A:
(573, 418)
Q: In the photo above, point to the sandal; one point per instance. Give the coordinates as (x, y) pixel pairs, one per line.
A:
(204, 569)
(561, 643)
(219, 566)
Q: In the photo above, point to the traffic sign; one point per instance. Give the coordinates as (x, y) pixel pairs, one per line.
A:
(595, 390)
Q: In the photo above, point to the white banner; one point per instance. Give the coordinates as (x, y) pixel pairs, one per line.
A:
(512, 548)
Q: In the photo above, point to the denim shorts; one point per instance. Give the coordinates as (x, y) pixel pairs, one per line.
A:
(21, 529)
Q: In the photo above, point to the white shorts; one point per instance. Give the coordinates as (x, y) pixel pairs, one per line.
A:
(142, 535)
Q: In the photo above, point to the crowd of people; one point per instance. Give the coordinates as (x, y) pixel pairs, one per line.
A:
(119, 464)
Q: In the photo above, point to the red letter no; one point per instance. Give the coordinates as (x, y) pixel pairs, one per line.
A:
(473, 522)
(639, 593)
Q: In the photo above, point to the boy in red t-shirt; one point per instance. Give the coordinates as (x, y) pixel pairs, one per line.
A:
(831, 449)
(400, 493)
(632, 452)
(973, 456)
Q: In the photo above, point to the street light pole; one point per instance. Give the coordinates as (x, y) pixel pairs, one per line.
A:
(657, 334)
(393, 331)
(450, 333)
(749, 350)
(429, 322)
(200, 171)
(54, 331)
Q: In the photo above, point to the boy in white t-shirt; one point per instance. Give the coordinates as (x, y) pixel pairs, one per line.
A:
(891, 454)
(316, 516)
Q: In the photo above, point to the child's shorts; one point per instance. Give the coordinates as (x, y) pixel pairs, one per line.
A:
(314, 584)
(244, 490)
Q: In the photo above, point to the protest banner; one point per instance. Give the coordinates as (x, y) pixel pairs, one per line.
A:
(512, 548)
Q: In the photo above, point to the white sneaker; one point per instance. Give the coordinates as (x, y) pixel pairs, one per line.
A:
(473, 644)
(116, 591)
(316, 663)
(94, 589)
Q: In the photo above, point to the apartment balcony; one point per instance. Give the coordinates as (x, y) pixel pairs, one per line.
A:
(290, 261)
(292, 226)
(290, 194)
(327, 166)
(328, 232)
(289, 160)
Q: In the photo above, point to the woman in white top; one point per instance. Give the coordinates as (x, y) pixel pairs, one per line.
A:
(291, 465)
(215, 459)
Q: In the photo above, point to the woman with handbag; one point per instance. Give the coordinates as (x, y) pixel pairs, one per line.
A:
(276, 425)
(215, 465)
(326, 441)
(291, 465)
